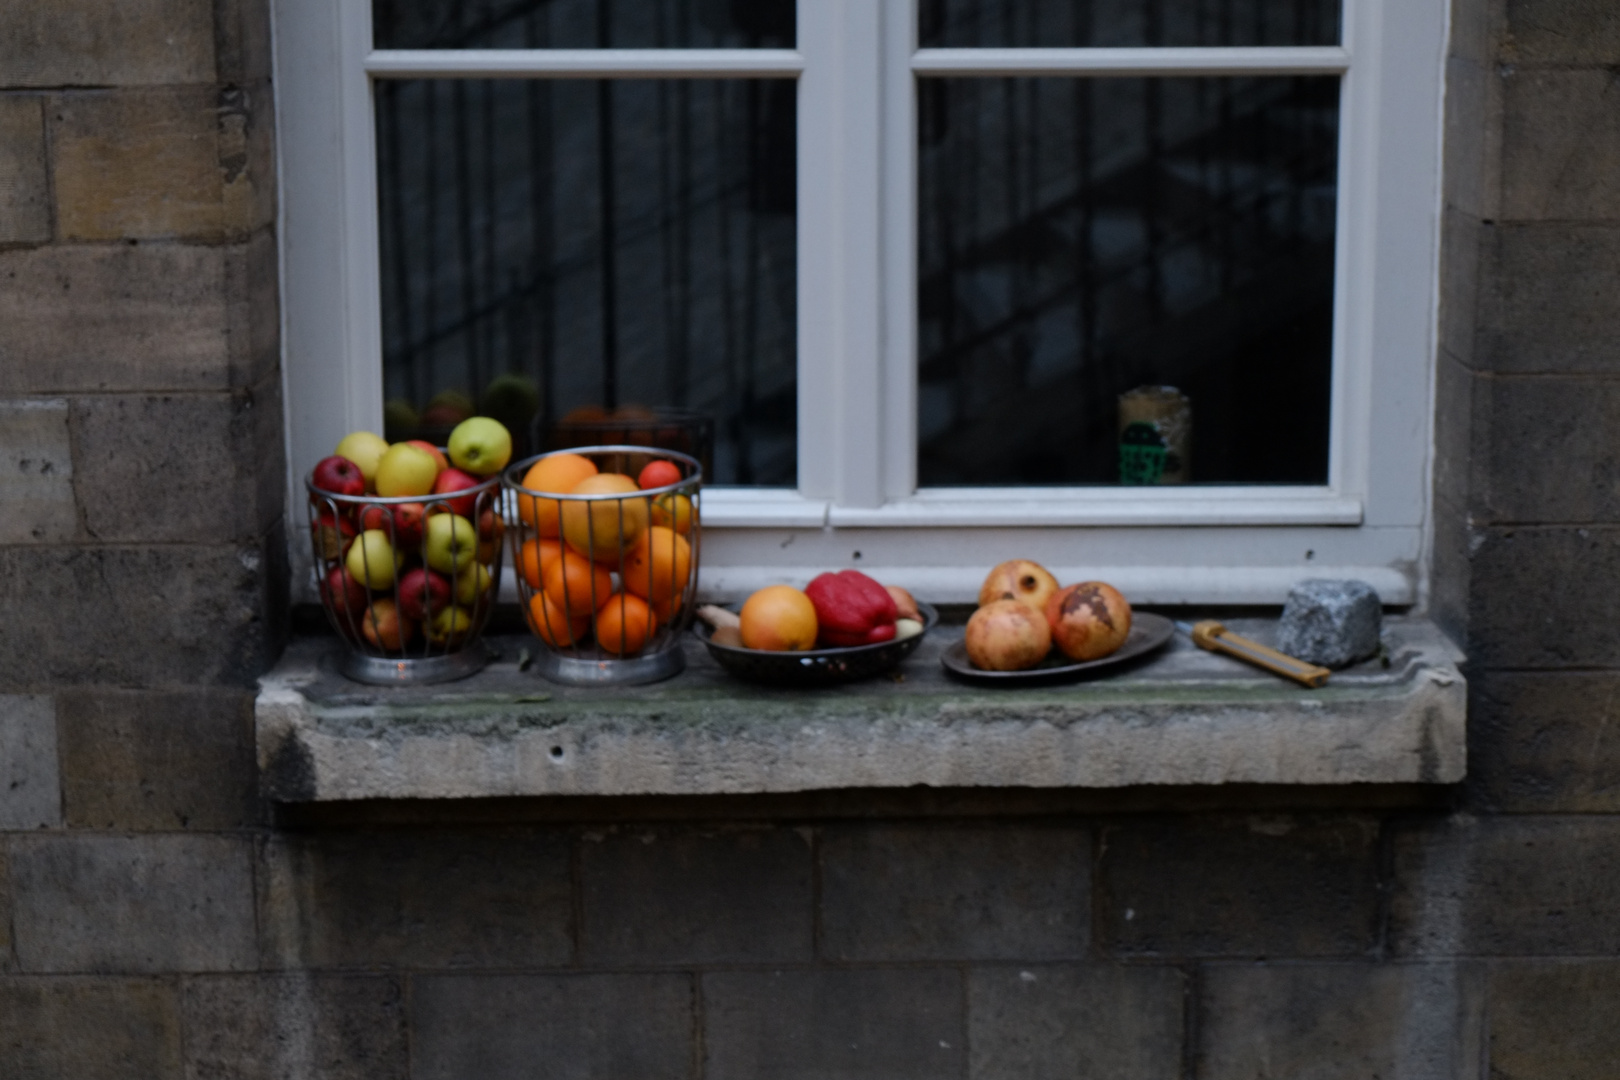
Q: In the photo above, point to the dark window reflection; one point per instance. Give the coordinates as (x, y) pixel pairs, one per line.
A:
(1083, 238)
(966, 24)
(583, 24)
(563, 250)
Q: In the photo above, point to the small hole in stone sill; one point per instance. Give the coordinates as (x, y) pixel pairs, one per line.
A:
(1310, 555)
(857, 554)
(556, 753)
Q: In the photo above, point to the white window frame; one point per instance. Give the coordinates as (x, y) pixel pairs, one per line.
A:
(857, 504)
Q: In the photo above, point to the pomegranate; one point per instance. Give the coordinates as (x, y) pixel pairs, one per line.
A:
(1089, 620)
(1007, 635)
(1019, 579)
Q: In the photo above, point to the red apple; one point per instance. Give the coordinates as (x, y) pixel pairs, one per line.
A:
(339, 476)
(405, 521)
(422, 593)
(386, 628)
(659, 474)
(438, 455)
(333, 533)
(344, 596)
(451, 481)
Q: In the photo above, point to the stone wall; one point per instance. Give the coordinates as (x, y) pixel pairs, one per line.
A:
(156, 920)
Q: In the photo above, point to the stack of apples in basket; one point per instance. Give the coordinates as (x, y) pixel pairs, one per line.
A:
(408, 541)
(617, 566)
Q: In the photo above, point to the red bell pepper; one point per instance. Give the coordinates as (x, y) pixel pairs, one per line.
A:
(852, 609)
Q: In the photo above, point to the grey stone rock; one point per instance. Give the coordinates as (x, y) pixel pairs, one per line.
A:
(906, 893)
(1332, 623)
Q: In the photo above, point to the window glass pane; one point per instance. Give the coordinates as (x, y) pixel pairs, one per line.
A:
(968, 24)
(583, 24)
(578, 247)
(1084, 238)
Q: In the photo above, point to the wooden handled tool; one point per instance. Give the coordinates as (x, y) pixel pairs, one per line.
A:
(1216, 638)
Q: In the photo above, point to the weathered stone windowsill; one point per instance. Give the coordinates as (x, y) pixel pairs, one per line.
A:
(1185, 718)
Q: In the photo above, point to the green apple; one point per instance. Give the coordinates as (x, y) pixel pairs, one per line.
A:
(512, 399)
(480, 446)
(400, 420)
(372, 560)
(406, 469)
(365, 449)
(473, 583)
(450, 543)
(450, 626)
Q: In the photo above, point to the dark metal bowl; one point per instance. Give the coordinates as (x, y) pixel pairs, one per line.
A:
(818, 667)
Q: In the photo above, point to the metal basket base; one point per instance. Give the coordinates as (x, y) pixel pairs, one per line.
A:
(631, 672)
(422, 671)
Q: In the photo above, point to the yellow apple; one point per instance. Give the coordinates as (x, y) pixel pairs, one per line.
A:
(406, 469)
(450, 543)
(372, 560)
(473, 583)
(365, 449)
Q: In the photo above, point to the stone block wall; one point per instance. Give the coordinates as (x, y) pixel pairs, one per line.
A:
(158, 921)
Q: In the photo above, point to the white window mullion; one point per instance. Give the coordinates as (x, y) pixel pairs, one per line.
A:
(841, 293)
(899, 361)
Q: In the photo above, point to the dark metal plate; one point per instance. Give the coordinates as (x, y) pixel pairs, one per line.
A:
(818, 667)
(1148, 632)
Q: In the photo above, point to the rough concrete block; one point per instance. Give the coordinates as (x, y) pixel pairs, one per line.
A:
(671, 897)
(175, 163)
(1537, 597)
(891, 1024)
(189, 468)
(132, 905)
(8, 962)
(418, 900)
(511, 1027)
(1546, 299)
(1507, 887)
(948, 893)
(1473, 129)
(1457, 472)
(36, 473)
(179, 615)
(294, 1027)
(1561, 148)
(1332, 623)
(30, 792)
(1254, 886)
(1562, 32)
(1340, 1022)
(25, 201)
(89, 43)
(1544, 452)
(1461, 254)
(1091, 1023)
(1554, 1019)
(1451, 577)
(89, 1029)
(137, 317)
(158, 760)
(1544, 742)
(242, 41)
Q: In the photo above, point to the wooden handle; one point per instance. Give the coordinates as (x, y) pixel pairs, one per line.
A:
(1217, 638)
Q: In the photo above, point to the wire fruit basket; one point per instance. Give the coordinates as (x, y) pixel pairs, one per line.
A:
(607, 574)
(409, 582)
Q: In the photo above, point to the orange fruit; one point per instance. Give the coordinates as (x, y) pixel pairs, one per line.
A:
(624, 624)
(673, 511)
(533, 558)
(553, 627)
(575, 584)
(657, 568)
(779, 618)
(558, 474)
(606, 529)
